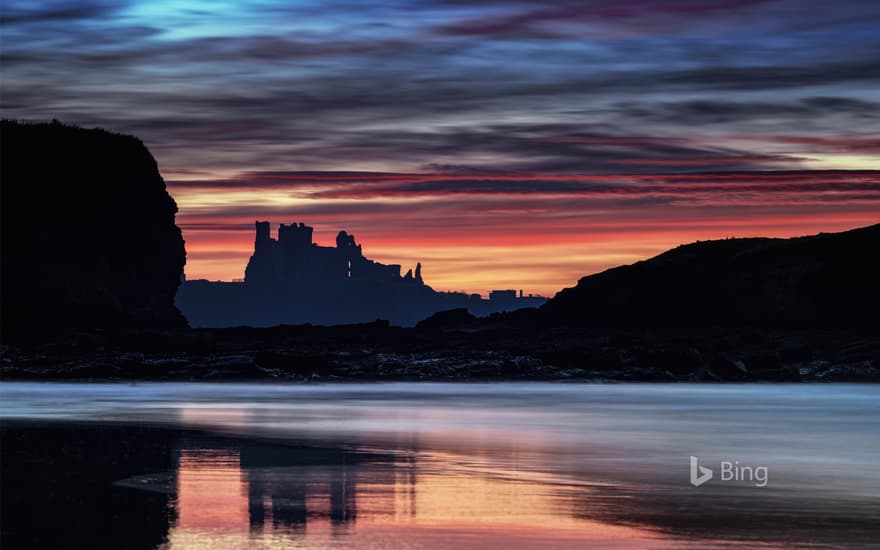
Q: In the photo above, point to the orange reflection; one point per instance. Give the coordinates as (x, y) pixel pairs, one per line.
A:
(211, 492)
(426, 499)
(445, 499)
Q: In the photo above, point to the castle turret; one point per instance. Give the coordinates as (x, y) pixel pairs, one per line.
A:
(262, 238)
(348, 245)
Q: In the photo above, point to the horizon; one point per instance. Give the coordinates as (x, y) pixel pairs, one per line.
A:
(484, 294)
(500, 144)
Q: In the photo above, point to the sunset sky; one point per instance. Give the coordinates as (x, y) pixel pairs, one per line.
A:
(502, 144)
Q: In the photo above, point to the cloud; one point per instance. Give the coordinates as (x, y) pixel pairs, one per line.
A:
(17, 13)
(492, 121)
(342, 185)
(775, 76)
(521, 20)
(718, 111)
(406, 99)
(482, 220)
(849, 144)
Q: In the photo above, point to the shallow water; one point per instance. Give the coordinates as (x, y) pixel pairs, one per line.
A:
(432, 465)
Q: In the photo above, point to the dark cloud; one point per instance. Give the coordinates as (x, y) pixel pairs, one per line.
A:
(336, 185)
(53, 11)
(775, 76)
(527, 148)
(367, 87)
(556, 20)
(858, 107)
(709, 111)
(507, 121)
(845, 143)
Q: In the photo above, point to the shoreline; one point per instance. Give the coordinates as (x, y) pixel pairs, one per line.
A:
(491, 350)
(130, 476)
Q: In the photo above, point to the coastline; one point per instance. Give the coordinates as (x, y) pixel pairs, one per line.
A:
(377, 352)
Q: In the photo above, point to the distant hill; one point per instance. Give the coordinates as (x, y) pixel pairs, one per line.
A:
(88, 232)
(825, 280)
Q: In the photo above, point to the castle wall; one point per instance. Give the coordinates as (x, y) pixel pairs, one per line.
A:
(293, 259)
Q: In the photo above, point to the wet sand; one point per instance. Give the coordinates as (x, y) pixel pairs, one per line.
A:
(434, 466)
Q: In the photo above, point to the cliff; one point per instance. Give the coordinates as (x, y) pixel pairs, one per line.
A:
(88, 232)
(825, 280)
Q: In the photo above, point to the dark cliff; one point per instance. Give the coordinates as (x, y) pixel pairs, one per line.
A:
(826, 280)
(88, 232)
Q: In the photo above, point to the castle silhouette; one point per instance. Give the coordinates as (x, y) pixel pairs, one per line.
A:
(293, 280)
(294, 259)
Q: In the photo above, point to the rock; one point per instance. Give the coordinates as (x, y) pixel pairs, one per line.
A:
(785, 373)
(862, 371)
(88, 232)
(447, 320)
(763, 361)
(679, 361)
(820, 281)
(728, 368)
(376, 351)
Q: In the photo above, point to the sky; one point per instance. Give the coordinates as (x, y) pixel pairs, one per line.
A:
(502, 144)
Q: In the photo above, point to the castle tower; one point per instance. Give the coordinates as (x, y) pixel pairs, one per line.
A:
(262, 238)
(295, 237)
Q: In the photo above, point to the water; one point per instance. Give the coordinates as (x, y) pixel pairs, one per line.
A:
(433, 465)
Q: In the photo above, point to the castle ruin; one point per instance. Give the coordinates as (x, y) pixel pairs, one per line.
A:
(292, 280)
(294, 259)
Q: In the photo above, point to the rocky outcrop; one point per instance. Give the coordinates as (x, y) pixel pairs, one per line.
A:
(88, 232)
(449, 319)
(821, 281)
(453, 347)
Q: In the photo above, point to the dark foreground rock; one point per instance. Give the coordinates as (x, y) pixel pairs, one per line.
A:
(471, 350)
(115, 485)
(88, 232)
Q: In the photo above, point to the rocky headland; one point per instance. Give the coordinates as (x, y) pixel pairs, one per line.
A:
(92, 260)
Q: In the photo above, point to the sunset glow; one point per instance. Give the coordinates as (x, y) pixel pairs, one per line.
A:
(536, 232)
(502, 144)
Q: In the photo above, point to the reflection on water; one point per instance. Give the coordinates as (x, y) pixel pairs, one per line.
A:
(252, 496)
(211, 491)
(181, 466)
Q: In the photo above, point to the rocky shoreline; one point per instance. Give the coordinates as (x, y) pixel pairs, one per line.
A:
(466, 352)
